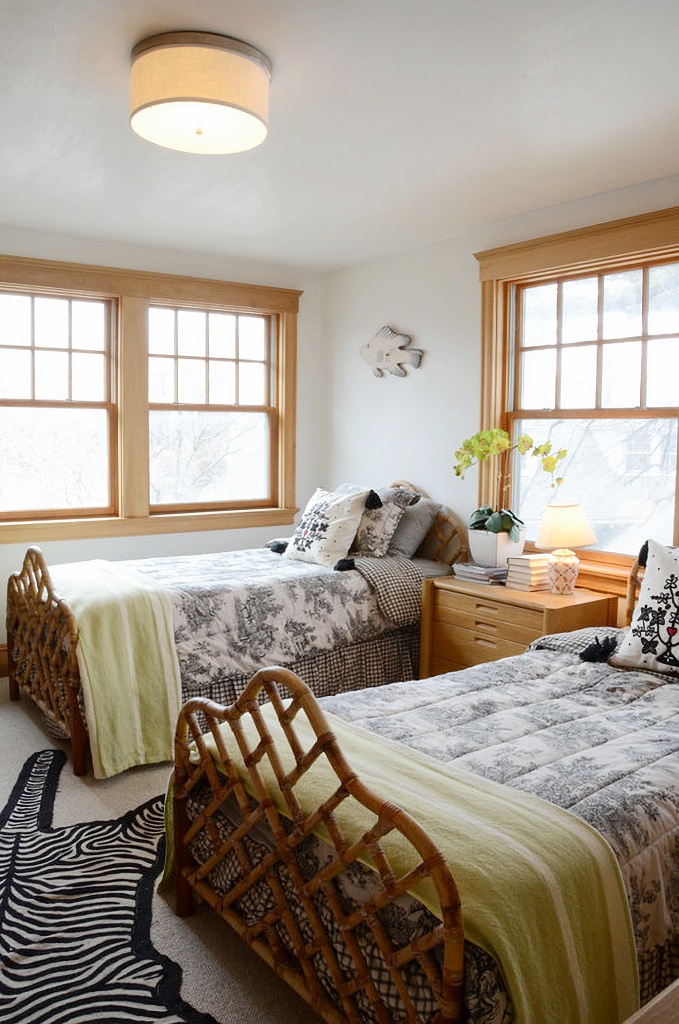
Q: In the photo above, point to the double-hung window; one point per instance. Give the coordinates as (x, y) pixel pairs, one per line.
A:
(57, 411)
(581, 338)
(212, 412)
(133, 402)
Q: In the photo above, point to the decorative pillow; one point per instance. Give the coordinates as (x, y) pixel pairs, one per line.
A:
(413, 527)
(652, 641)
(327, 527)
(379, 522)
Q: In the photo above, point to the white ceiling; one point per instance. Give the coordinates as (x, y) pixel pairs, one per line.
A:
(394, 123)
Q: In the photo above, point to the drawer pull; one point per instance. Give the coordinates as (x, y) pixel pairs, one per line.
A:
(482, 642)
(485, 625)
(487, 609)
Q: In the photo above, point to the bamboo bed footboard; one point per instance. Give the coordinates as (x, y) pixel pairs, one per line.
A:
(42, 636)
(262, 857)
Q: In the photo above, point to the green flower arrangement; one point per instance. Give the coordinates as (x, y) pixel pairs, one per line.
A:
(487, 444)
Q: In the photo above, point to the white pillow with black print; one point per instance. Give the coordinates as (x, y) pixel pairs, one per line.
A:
(652, 641)
(327, 527)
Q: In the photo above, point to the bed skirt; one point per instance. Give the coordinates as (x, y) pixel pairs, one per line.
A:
(388, 658)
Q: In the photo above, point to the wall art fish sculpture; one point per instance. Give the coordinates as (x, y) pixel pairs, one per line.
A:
(389, 352)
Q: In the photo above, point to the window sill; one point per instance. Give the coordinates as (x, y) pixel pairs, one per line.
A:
(86, 529)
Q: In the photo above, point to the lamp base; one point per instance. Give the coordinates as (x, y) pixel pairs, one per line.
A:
(563, 571)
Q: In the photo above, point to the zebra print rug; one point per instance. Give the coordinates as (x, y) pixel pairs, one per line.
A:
(75, 913)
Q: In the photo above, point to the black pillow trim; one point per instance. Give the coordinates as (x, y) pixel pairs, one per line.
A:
(344, 564)
(277, 546)
(599, 650)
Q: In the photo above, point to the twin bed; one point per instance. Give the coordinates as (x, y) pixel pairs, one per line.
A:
(495, 845)
(103, 648)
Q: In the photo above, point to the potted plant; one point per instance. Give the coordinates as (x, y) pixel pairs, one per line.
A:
(495, 532)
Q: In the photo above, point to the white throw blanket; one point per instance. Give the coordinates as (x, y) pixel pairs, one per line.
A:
(128, 664)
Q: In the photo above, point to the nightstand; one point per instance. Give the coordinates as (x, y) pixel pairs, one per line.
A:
(468, 623)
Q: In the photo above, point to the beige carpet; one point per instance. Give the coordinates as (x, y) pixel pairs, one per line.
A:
(221, 976)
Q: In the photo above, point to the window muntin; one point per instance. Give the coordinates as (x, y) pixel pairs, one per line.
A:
(211, 414)
(593, 372)
(56, 407)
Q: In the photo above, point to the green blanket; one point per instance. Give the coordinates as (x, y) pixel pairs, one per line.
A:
(127, 660)
(541, 890)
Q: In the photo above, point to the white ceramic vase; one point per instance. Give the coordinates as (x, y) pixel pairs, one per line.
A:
(493, 549)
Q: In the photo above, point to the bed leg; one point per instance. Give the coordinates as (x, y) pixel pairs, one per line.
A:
(183, 896)
(182, 889)
(14, 692)
(79, 756)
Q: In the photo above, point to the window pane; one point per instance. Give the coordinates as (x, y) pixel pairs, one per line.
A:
(537, 379)
(661, 384)
(622, 304)
(15, 373)
(578, 377)
(191, 332)
(208, 457)
(580, 310)
(15, 320)
(88, 380)
(539, 315)
(663, 299)
(161, 380)
(222, 336)
(252, 337)
(161, 331)
(88, 325)
(251, 384)
(621, 377)
(51, 376)
(222, 383)
(53, 459)
(622, 471)
(191, 382)
(51, 323)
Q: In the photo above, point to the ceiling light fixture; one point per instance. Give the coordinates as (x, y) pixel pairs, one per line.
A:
(199, 92)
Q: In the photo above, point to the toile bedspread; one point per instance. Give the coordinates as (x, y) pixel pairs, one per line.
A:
(235, 611)
(601, 742)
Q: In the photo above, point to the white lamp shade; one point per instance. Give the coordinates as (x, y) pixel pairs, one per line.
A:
(564, 526)
(199, 92)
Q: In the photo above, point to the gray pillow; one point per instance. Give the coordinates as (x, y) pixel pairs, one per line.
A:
(414, 525)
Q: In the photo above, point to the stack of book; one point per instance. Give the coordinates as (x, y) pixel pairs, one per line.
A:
(480, 573)
(528, 572)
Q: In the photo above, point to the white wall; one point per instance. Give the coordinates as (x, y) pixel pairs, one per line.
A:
(310, 454)
(381, 429)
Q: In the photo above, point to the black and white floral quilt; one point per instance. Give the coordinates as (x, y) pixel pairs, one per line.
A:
(236, 611)
(599, 741)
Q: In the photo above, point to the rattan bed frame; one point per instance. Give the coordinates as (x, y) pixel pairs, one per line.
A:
(42, 637)
(439, 952)
(277, 936)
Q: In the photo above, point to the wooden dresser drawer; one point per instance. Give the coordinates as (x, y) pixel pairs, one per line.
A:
(486, 616)
(472, 647)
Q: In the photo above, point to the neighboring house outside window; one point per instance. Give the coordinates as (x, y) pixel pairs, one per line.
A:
(580, 345)
(133, 402)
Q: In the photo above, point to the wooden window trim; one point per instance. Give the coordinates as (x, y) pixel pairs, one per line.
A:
(645, 239)
(134, 291)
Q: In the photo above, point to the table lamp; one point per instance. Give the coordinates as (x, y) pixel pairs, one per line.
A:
(564, 526)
